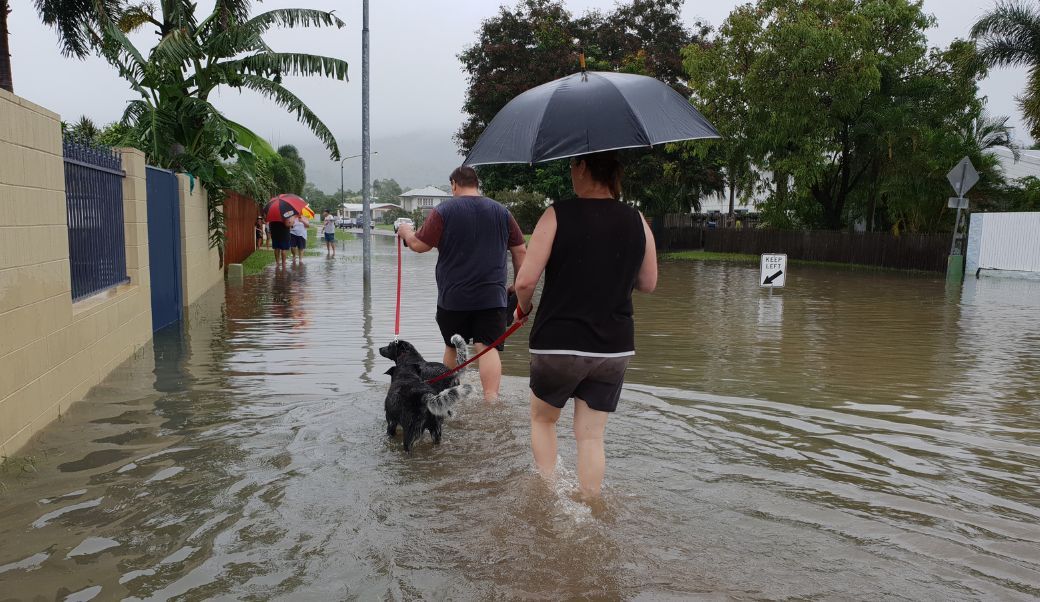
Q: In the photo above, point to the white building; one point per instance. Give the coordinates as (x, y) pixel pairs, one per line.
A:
(376, 209)
(1028, 163)
(423, 198)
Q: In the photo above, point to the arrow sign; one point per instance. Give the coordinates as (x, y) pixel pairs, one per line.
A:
(963, 176)
(773, 271)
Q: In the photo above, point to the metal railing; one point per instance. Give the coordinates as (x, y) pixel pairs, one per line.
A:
(94, 201)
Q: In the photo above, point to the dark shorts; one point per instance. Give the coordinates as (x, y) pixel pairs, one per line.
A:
(298, 242)
(480, 326)
(595, 380)
(281, 245)
(330, 237)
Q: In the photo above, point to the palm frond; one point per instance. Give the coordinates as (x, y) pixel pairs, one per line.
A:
(250, 140)
(289, 101)
(248, 36)
(1009, 35)
(177, 47)
(290, 63)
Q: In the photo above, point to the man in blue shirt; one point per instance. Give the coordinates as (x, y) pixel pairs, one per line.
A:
(472, 234)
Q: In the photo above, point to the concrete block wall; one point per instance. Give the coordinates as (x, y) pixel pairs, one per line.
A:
(200, 265)
(53, 351)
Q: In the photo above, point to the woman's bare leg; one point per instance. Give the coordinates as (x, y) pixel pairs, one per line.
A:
(543, 435)
(589, 425)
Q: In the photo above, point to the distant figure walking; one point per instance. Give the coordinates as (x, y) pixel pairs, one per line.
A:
(298, 232)
(472, 234)
(594, 251)
(329, 230)
(260, 231)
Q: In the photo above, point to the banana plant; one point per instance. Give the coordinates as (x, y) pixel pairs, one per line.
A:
(173, 119)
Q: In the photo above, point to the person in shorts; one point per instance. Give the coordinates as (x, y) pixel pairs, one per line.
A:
(298, 237)
(280, 240)
(260, 231)
(594, 250)
(472, 234)
(329, 230)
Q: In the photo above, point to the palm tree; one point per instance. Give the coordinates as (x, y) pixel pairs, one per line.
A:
(1009, 36)
(193, 58)
(76, 21)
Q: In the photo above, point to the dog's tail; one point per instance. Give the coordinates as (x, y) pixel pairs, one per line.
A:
(443, 403)
(461, 352)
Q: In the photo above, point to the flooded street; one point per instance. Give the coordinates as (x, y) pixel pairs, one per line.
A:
(857, 435)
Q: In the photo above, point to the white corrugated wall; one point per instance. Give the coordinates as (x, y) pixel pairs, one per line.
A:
(1005, 241)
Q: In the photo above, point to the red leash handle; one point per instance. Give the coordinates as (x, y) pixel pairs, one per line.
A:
(397, 317)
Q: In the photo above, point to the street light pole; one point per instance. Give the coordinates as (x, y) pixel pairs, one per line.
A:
(342, 194)
(366, 185)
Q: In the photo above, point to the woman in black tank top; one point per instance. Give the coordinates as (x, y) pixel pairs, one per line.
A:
(594, 251)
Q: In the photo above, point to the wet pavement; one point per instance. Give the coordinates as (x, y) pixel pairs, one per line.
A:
(857, 435)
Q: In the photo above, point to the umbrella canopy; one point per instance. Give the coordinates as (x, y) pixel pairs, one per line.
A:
(284, 206)
(586, 113)
(297, 202)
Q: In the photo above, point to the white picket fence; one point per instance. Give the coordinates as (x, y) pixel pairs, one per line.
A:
(1009, 242)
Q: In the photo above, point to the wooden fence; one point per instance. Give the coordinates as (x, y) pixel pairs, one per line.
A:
(240, 218)
(906, 252)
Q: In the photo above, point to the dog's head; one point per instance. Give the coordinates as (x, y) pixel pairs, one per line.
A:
(398, 350)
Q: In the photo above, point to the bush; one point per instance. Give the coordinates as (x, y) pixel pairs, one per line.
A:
(392, 215)
(527, 207)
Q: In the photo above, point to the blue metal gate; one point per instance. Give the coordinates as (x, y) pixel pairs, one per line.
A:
(94, 204)
(164, 247)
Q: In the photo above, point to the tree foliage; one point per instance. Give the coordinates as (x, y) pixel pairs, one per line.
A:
(386, 190)
(847, 106)
(1009, 36)
(289, 170)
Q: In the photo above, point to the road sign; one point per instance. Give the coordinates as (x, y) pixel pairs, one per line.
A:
(963, 176)
(774, 270)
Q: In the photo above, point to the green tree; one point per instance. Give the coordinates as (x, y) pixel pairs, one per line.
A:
(836, 96)
(289, 170)
(387, 190)
(527, 207)
(1009, 36)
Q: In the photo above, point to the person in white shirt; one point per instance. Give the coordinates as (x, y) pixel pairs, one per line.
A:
(298, 240)
(329, 230)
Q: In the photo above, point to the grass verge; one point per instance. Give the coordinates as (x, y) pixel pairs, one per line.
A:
(744, 258)
(261, 258)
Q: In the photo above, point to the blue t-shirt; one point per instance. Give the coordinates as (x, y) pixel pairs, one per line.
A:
(472, 235)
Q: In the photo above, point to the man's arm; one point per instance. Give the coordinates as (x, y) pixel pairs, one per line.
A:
(517, 246)
(411, 241)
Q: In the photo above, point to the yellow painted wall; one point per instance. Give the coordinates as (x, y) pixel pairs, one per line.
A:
(200, 265)
(53, 351)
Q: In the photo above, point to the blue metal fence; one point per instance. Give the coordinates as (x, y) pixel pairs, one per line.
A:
(94, 200)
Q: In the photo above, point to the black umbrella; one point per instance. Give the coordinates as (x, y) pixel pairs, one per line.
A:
(586, 113)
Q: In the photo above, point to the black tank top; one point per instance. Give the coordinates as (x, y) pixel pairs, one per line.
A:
(586, 304)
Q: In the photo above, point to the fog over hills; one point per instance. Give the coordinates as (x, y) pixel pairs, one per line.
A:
(415, 160)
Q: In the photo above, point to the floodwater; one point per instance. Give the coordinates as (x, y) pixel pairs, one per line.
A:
(855, 436)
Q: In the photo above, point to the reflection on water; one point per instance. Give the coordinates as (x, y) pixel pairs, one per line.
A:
(853, 436)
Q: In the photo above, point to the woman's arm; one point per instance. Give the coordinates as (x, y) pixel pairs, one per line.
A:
(538, 250)
(646, 281)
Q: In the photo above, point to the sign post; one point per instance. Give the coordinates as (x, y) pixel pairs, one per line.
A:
(962, 178)
(773, 271)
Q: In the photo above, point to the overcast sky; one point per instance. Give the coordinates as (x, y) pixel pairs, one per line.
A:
(417, 81)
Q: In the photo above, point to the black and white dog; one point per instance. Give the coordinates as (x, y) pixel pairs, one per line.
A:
(413, 403)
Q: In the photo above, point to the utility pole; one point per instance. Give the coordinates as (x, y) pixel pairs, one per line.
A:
(366, 184)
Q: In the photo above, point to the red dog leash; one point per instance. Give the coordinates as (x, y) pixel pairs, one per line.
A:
(516, 326)
(397, 316)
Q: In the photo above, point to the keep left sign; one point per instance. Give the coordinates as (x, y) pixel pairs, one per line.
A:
(774, 270)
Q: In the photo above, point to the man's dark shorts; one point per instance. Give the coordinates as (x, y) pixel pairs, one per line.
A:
(595, 380)
(281, 245)
(481, 326)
